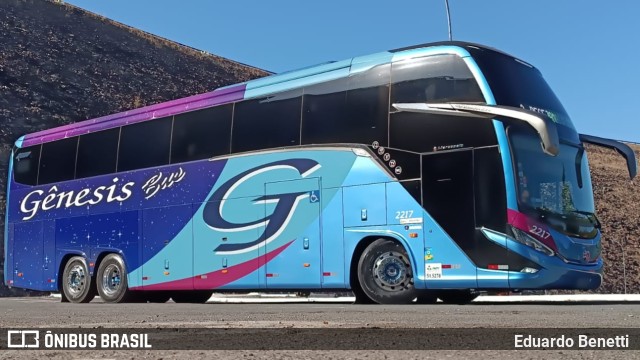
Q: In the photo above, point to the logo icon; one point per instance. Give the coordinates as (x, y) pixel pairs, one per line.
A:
(274, 223)
(21, 339)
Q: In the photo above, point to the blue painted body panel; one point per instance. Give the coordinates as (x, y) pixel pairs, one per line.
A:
(285, 219)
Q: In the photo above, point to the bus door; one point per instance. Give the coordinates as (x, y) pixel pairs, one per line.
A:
(449, 196)
(295, 219)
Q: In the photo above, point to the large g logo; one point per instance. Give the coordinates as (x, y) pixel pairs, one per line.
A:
(275, 223)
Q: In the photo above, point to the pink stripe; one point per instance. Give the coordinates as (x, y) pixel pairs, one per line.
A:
(217, 278)
(528, 225)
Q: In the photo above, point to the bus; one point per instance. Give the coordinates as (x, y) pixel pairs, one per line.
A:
(429, 172)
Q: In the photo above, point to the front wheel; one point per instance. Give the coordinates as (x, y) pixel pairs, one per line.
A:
(112, 280)
(77, 286)
(384, 273)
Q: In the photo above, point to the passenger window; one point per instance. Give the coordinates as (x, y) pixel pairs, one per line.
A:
(267, 123)
(438, 78)
(58, 161)
(97, 153)
(324, 112)
(432, 79)
(25, 165)
(145, 144)
(201, 134)
(349, 110)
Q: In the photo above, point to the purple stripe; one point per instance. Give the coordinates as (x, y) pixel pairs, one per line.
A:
(216, 97)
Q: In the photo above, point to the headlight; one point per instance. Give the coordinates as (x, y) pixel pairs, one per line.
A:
(528, 240)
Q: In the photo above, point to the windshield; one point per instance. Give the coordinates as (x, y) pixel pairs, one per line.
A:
(556, 189)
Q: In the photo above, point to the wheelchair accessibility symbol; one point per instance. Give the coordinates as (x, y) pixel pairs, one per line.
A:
(314, 196)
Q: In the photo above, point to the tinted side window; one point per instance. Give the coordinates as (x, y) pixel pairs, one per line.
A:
(426, 133)
(145, 144)
(324, 112)
(433, 78)
(436, 79)
(201, 134)
(368, 106)
(97, 153)
(58, 161)
(358, 115)
(25, 165)
(268, 122)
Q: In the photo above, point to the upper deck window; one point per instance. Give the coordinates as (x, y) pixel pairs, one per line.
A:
(58, 161)
(145, 144)
(518, 84)
(436, 79)
(268, 122)
(348, 110)
(201, 134)
(25, 165)
(97, 153)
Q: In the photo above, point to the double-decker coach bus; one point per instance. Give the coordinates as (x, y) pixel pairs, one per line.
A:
(425, 172)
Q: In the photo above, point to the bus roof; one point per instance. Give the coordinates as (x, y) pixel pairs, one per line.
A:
(251, 89)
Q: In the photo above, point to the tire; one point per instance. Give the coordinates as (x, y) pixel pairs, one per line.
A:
(426, 297)
(112, 280)
(361, 297)
(385, 274)
(457, 297)
(192, 297)
(77, 285)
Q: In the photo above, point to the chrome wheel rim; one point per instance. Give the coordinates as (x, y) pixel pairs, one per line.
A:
(111, 280)
(392, 271)
(76, 280)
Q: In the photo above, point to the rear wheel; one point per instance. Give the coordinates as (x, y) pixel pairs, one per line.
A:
(459, 297)
(112, 280)
(384, 273)
(193, 297)
(77, 286)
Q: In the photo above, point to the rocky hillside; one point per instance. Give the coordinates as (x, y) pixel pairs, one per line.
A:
(60, 64)
(618, 207)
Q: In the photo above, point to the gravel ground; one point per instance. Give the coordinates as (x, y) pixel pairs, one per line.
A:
(49, 312)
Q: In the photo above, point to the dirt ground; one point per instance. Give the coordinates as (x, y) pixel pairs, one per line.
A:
(618, 208)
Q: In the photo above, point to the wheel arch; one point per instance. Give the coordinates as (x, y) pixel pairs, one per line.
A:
(63, 262)
(363, 244)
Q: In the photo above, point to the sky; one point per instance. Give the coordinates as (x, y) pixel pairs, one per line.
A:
(587, 50)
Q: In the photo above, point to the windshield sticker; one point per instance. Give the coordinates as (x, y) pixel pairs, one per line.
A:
(551, 115)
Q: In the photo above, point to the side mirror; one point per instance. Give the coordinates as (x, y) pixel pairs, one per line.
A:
(543, 125)
(622, 149)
